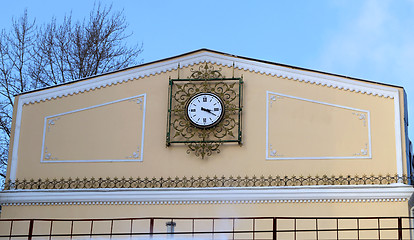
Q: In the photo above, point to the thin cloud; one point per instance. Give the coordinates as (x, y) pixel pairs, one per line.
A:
(358, 40)
(377, 44)
(374, 44)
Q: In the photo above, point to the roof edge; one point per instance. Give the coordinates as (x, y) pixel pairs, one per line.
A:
(212, 51)
(206, 55)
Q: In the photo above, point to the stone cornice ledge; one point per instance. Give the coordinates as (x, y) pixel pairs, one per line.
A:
(301, 194)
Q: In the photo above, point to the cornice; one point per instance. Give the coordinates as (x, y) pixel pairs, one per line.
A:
(219, 59)
(186, 196)
(97, 82)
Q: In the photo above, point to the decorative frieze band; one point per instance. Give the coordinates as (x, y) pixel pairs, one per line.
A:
(204, 182)
(210, 202)
(189, 196)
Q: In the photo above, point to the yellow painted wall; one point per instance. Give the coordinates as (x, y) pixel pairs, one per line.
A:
(248, 159)
(209, 210)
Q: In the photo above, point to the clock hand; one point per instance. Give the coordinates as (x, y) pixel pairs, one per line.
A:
(207, 110)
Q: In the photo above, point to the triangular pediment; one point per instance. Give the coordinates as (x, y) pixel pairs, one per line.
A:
(222, 59)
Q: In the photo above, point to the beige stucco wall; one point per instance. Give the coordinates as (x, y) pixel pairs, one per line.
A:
(210, 210)
(248, 159)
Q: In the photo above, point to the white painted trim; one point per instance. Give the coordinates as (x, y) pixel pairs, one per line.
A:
(144, 96)
(256, 195)
(248, 65)
(267, 124)
(398, 142)
(314, 78)
(318, 102)
(143, 126)
(16, 138)
(315, 158)
(91, 161)
(96, 82)
(95, 106)
(369, 129)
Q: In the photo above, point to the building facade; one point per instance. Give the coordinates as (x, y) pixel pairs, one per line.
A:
(208, 134)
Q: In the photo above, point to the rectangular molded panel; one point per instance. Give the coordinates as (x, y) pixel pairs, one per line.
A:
(111, 131)
(299, 128)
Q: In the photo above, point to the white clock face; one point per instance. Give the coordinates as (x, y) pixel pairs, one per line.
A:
(205, 110)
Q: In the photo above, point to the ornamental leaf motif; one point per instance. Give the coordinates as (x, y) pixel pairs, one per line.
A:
(205, 72)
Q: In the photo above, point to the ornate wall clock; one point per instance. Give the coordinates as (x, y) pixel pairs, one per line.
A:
(205, 111)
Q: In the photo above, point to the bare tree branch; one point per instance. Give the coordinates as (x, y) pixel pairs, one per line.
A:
(34, 56)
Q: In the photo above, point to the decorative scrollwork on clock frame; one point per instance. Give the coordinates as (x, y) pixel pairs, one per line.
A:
(205, 141)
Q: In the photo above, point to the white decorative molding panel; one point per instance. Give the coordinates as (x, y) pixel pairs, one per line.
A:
(299, 128)
(112, 131)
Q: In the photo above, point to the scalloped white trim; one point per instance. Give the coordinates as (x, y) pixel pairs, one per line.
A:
(219, 59)
(186, 196)
(96, 82)
(290, 73)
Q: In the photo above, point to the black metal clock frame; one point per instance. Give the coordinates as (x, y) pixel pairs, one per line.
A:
(204, 141)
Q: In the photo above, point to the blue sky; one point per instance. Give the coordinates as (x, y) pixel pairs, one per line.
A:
(368, 39)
